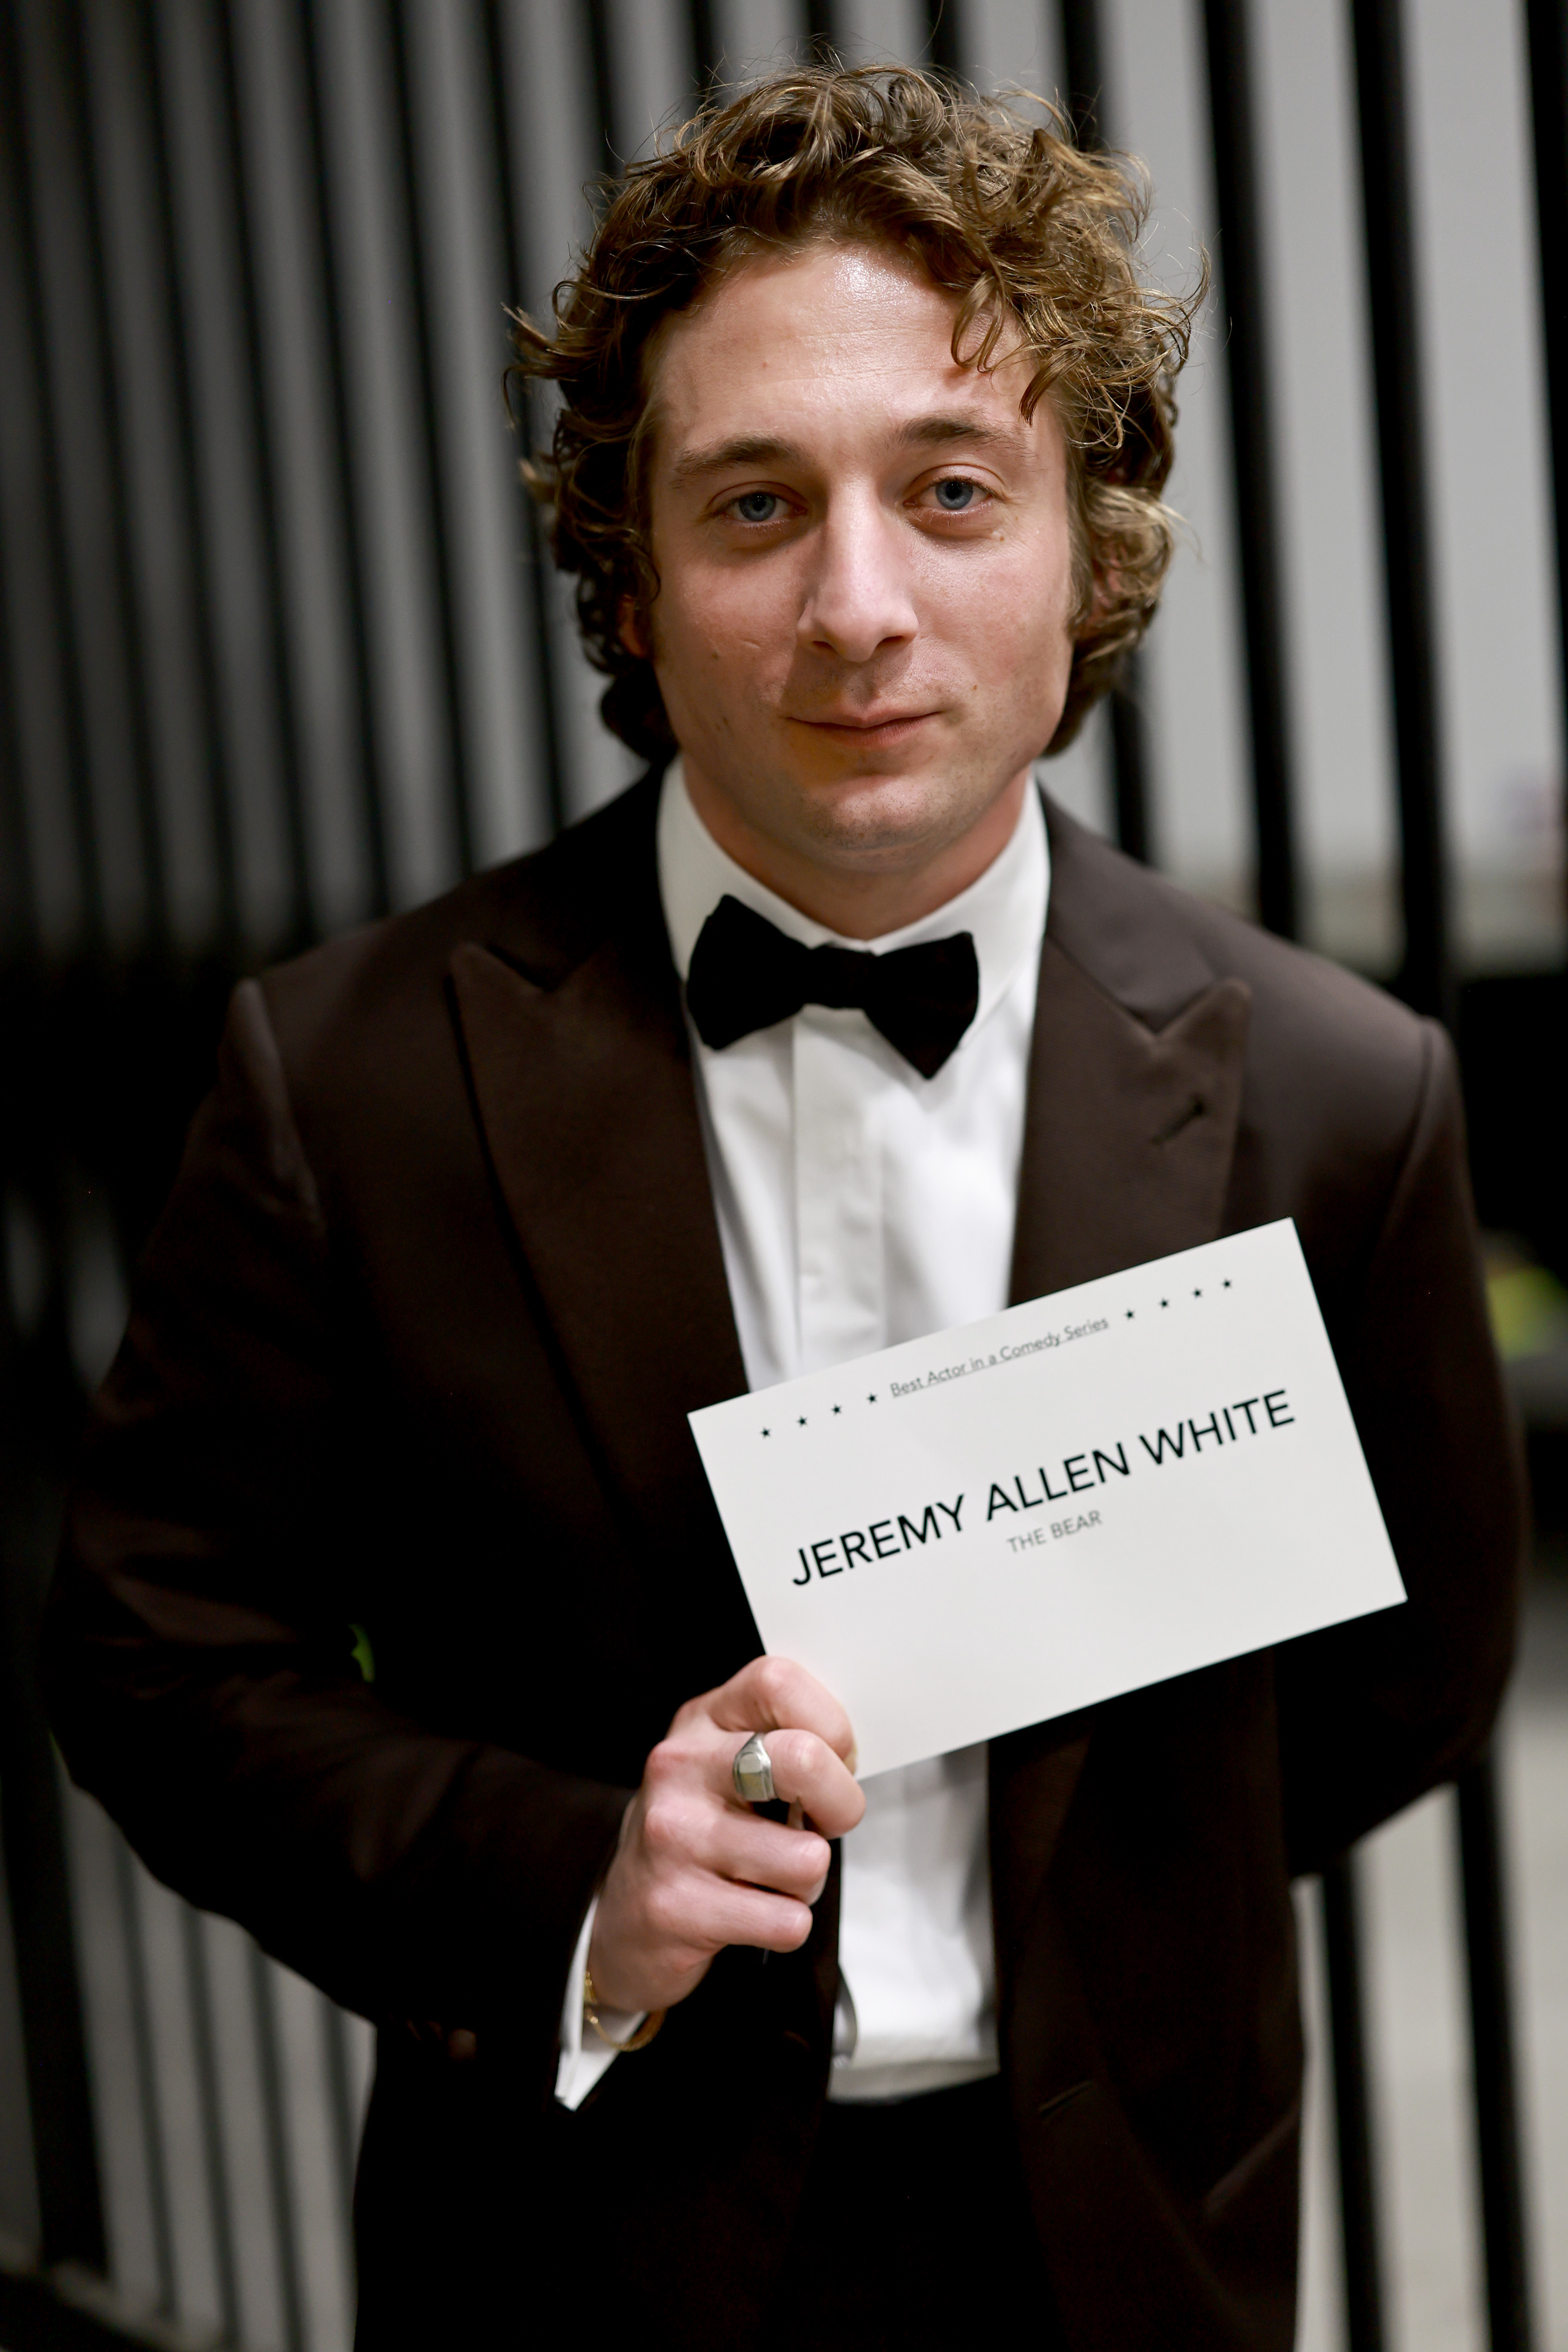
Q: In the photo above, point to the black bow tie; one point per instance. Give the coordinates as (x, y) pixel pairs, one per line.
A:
(745, 975)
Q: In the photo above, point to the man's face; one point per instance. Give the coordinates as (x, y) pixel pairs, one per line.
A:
(863, 629)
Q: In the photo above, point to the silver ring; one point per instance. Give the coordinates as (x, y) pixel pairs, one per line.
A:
(752, 1772)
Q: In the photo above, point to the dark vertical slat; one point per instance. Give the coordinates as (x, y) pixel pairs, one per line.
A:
(291, 783)
(1492, 2051)
(1085, 81)
(1547, 24)
(65, 2156)
(944, 36)
(1378, 40)
(145, 2065)
(605, 95)
(1242, 278)
(537, 555)
(193, 519)
(702, 35)
(127, 600)
(822, 33)
(18, 907)
(13, 137)
(275, 2132)
(461, 818)
(1082, 56)
(1353, 2109)
(308, 34)
(209, 2099)
(1130, 763)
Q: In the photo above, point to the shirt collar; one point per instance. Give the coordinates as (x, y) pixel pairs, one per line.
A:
(1004, 909)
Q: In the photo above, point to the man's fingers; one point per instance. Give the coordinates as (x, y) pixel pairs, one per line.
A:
(806, 1773)
(770, 1692)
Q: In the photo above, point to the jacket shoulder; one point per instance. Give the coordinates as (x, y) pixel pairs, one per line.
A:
(543, 913)
(1153, 947)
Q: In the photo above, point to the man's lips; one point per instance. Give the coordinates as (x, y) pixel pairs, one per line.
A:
(872, 727)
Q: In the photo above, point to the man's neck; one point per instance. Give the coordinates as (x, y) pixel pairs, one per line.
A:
(860, 901)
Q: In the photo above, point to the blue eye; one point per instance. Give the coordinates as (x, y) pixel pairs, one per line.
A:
(756, 506)
(955, 494)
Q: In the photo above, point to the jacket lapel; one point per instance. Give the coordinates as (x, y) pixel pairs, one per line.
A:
(585, 1094)
(1129, 1133)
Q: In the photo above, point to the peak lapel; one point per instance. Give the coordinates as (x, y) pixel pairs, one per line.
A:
(586, 1096)
(1129, 1134)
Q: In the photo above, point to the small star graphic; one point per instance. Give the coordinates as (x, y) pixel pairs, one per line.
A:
(803, 1420)
(1165, 1302)
(1129, 1314)
(1197, 1294)
(871, 1400)
(768, 1433)
(838, 1408)
(1225, 1285)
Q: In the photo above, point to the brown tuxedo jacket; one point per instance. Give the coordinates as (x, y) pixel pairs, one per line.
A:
(411, 1349)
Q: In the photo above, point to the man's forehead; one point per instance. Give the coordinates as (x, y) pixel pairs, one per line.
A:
(810, 339)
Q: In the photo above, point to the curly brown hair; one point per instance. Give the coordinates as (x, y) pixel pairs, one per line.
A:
(1029, 230)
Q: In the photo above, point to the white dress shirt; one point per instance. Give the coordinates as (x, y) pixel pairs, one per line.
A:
(859, 1204)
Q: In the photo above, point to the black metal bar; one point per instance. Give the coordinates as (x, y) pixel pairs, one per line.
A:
(291, 783)
(16, 142)
(275, 2132)
(72, 37)
(822, 34)
(1378, 40)
(18, 904)
(1547, 26)
(191, 500)
(604, 106)
(702, 35)
(1129, 763)
(306, 17)
(65, 2159)
(1353, 2116)
(204, 2030)
(1242, 278)
(535, 554)
(1491, 2044)
(1082, 54)
(461, 818)
(145, 2065)
(944, 37)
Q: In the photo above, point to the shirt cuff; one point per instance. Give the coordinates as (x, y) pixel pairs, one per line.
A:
(582, 2064)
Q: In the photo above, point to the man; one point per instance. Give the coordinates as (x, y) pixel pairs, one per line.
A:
(865, 417)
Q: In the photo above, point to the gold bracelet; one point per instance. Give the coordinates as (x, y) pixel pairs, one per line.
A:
(639, 2040)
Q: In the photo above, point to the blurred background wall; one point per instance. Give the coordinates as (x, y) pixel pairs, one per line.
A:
(279, 652)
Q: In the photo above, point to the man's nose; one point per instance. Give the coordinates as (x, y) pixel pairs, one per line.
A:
(860, 598)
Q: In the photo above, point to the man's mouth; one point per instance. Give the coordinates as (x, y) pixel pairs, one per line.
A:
(869, 727)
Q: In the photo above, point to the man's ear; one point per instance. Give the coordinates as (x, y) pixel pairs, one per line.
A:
(633, 633)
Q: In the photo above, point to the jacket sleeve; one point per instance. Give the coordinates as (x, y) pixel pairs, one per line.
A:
(1374, 1713)
(197, 1654)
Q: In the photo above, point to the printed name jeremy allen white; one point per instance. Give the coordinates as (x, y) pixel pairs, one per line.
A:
(1080, 1474)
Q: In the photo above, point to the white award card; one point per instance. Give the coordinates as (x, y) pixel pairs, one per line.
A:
(1086, 1493)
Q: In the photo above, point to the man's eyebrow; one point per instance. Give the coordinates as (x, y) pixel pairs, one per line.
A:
(762, 449)
(746, 449)
(937, 432)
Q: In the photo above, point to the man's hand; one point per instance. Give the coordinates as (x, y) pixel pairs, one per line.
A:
(695, 1869)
